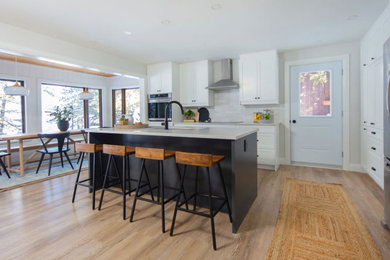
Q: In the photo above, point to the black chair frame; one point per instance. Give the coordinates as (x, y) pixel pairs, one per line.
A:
(51, 151)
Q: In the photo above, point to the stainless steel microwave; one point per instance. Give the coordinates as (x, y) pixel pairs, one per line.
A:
(156, 107)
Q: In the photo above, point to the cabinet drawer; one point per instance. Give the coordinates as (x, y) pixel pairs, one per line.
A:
(375, 133)
(375, 146)
(375, 165)
(265, 156)
(265, 141)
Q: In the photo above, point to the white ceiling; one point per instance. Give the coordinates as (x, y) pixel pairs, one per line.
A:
(195, 31)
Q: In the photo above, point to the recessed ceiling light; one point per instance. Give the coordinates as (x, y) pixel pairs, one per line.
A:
(216, 7)
(127, 32)
(165, 22)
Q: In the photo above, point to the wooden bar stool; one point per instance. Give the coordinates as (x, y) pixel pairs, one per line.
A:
(159, 155)
(119, 151)
(93, 150)
(207, 161)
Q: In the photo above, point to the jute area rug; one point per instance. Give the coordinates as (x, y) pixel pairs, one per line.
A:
(319, 221)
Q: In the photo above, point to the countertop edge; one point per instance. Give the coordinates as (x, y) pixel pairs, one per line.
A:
(189, 135)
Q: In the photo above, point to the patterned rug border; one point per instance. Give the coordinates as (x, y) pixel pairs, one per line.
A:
(352, 205)
(41, 180)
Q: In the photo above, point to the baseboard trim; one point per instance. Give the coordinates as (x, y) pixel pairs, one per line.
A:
(355, 167)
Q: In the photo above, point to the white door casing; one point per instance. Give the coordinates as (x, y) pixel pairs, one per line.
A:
(316, 113)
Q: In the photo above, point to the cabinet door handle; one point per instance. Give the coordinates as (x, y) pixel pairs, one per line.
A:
(364, 121)
(374, 133)
(364, 128)
(373, 148)
(372, 58)
(373, 168)
(364, 65)
(372, 123)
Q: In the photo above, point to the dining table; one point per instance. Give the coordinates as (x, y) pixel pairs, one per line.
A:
(20, 138)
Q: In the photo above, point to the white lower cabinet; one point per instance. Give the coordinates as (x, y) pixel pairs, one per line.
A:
(267, 142)
(372, 153)
(268, 147)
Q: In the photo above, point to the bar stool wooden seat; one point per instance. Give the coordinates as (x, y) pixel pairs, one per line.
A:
(159, 155)
(118, 151)
(3, 154)
(206, 161)
(93, 150)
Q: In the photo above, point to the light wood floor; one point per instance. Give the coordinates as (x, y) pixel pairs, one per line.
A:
(40, 222)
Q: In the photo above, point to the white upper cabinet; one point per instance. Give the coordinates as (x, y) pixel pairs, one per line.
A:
(194, 78)
(161, 77)
(259, 78)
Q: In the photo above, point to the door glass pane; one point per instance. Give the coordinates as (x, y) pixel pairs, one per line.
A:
(94, 109)
(315, 93)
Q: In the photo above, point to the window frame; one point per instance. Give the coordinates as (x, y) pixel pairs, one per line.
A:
(85, 102)
(123, 100)
(22, 103)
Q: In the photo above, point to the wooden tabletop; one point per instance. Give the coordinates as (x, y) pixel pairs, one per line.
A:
(30, 135)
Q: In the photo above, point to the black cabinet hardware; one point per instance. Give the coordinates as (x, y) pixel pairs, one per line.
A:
(372, 123)
(364, 128)
(244, 145)
(372, 168)
(294, 121)
(373, 148)
(364, 121)
(374, 133)
(372, 58)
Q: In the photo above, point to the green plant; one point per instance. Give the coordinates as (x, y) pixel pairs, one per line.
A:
(123, 118)
(189, 113)
(62, 114)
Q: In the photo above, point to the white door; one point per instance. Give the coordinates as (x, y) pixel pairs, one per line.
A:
(316, 113)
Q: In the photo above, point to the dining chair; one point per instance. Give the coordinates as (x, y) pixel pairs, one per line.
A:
(60, 149)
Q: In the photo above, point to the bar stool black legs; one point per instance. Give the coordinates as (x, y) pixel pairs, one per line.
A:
(93, 150)
(208, 162)
(159, 155)
(122, 180)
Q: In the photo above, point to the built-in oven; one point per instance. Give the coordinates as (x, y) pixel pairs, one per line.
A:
(156, 107)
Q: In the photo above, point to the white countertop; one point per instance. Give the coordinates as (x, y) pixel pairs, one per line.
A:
(227, 124)
(225, 133)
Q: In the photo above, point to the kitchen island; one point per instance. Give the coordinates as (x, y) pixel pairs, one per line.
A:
(239, 167)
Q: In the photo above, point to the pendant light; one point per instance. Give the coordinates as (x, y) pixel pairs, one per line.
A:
(16, 89)
(86, 95)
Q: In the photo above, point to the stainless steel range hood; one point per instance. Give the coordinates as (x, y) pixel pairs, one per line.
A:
(226, 81)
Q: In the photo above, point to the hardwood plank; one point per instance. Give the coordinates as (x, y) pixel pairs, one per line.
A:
(40, 222)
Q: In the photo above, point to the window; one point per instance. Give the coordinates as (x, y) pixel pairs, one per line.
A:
(125, 102)
(12, 111)
(315, 88)
(85, 113)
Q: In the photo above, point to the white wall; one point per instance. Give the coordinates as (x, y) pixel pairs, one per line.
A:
(27, 42)
(353, 50)
(227, 102)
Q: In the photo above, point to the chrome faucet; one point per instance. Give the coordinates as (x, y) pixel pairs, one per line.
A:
(166, 112)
